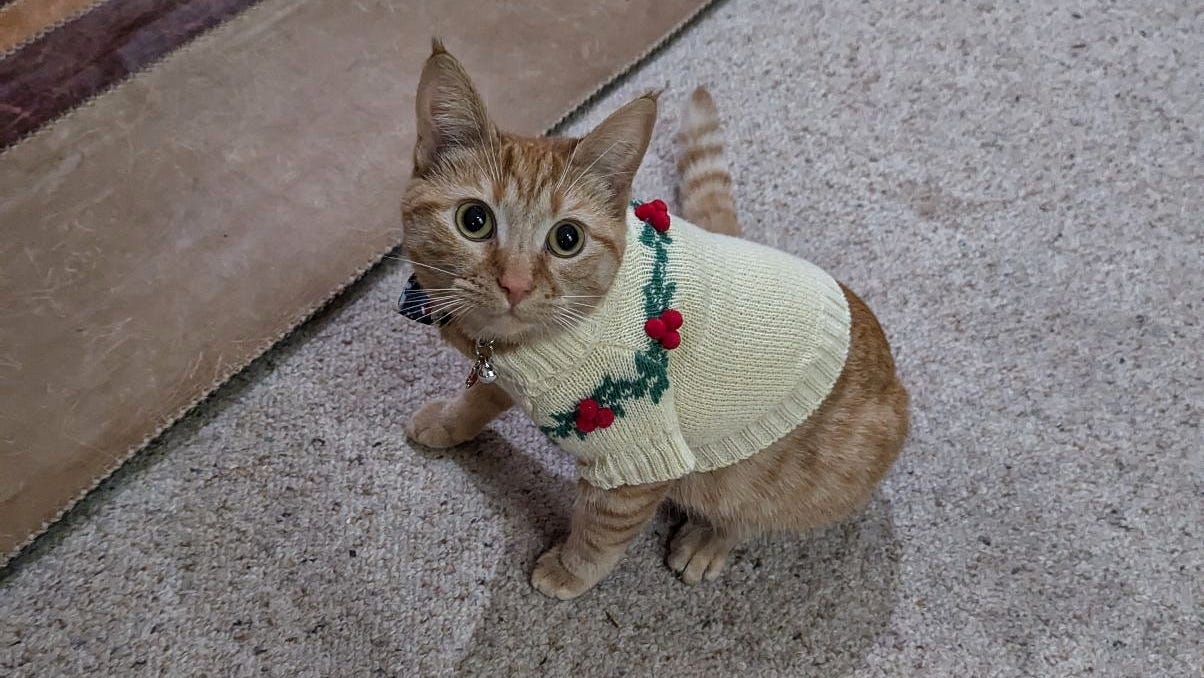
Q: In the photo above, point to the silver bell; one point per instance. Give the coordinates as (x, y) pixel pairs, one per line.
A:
(487, 375)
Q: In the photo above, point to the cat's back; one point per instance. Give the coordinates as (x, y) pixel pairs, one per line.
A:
(764, 339)
(823, 465)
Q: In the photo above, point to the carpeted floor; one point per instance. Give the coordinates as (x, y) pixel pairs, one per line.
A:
(1016, 190)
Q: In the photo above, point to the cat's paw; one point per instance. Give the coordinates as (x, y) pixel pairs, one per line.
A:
(697, 552)
(432, 426)
(553, 580)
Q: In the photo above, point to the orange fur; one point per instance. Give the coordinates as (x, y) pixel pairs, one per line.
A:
(819, 473)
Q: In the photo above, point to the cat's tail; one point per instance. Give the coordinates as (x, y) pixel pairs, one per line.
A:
(705, 191)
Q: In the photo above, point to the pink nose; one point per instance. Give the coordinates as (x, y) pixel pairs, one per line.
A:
(517, 286)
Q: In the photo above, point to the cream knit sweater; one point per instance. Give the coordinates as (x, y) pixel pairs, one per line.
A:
(763, 338)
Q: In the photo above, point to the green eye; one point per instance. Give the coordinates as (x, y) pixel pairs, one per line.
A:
(474, 221)
(566, 239)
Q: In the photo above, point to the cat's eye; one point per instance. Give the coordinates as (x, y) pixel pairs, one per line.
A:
(474, 221)
(566, 239)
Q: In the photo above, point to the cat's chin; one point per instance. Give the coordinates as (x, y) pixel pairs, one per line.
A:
(507, 328)
(498, 327)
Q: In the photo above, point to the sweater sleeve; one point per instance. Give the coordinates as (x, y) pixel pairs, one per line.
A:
(643, 444)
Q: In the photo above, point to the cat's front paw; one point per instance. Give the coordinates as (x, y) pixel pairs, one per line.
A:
(432, 426)
(553, 580)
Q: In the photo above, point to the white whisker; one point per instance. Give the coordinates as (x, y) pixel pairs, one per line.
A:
(416, 263)
(565, 172)
(444, 296)
(432, 312)
(580, 308)
(460, 313)
(591, 166)
(572, 312)
(569, 306)
(482, 166)
(444, 303)
(444, 308)
(494, 157)
(576, 317)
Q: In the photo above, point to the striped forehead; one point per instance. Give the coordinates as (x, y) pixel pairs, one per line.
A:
(527, 192)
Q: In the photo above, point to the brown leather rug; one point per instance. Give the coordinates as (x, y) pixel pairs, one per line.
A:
(184, 182)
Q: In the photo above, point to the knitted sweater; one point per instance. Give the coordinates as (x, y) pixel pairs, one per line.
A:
(761, 338)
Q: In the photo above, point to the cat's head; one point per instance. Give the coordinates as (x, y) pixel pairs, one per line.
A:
(515, 237)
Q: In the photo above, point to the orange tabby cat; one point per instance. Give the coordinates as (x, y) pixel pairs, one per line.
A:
(490, 274)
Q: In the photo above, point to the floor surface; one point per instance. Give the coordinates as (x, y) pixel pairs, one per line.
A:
(1016, 190)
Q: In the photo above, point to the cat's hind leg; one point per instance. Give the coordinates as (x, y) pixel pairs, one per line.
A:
(700, 551)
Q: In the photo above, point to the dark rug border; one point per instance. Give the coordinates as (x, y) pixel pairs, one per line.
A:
(72, 63)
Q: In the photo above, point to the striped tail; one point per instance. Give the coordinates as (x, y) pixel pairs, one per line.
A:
(705, 192)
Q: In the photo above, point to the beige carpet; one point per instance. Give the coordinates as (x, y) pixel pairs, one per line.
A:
(1016, 189)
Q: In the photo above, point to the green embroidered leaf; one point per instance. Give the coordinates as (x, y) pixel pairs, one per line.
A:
(566, 425)
(658, 292)
(651, 364)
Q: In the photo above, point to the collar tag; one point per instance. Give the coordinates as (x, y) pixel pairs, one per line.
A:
(482, 369)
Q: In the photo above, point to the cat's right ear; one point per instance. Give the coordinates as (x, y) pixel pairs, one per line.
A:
(615, 148)
(450, 113)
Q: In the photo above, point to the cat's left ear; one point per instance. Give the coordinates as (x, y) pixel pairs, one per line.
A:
(615, 148)
(450, 113)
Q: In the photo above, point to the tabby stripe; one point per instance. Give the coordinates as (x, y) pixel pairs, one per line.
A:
(632, 522)
(700, 129)
(430, 208)
(609, 244)
(716, 176)
(616, 540)
(695, 154)
(587, 540)
(614, 536)
(604, 539)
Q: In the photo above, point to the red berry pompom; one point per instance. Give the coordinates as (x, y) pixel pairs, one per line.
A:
(656, 328)
(605, 418)
(672, 319)
(588, 408)
(655, 213)
(671, 340)
(585, 424)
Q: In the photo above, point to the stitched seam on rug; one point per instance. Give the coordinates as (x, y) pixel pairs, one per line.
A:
(43, 30)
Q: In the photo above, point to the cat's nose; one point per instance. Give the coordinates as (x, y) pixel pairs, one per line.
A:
(517, 286)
